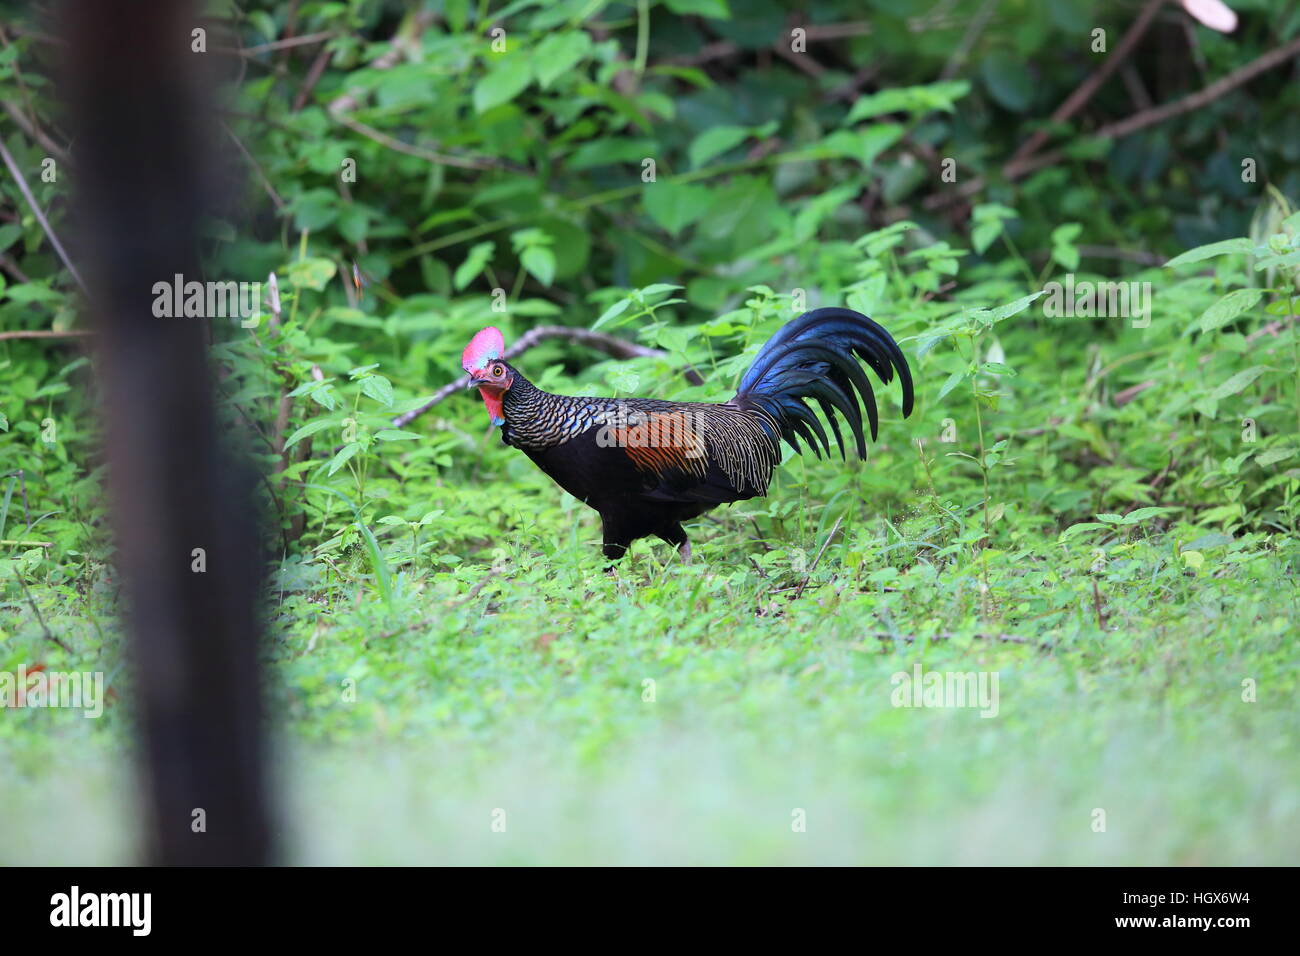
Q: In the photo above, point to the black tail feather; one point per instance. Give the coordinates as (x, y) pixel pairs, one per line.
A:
(814, 357)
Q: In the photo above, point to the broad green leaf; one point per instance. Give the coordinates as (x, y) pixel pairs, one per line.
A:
(622, 379)
(341, 459)
(504, 80)
(1238, 382)
(713, 9)
(1226, 247)
(311, 273)
(310, 428)
(558, 54)
(912, 99)
(658, 288)
(613, 312)
(478, 257)
(1214, 539)
(715, 141)
(1142, 514)
(1008, 80)
(953, 381)
(1074, 529)
(1228, 308)
(675, 206)
(378, 388)
(1274, 455)
(540, 263)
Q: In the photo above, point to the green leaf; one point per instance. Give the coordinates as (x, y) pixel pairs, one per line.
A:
(865, 145)
(988, 219)
(622, 379)
(311, 273)
(378, 388)
(912, 99)
(1142, 514)
(1214, 539)
(613, 312)
(345, 453)
(674, 206)
(1226, 247)
(503, 82)
(1008, 81)
(1074, 529)
(353, 224)
(1238, 382)
(310, 428)
(713, 9)
(558, 54)
(469, 270)
(1228, 308)
(658, 288)
(396, 434)
(715, 141)
(1016, 307)
(540, 263)
(953, 381)
(1274, 455)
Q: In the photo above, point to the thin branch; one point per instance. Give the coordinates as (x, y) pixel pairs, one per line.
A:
(977, 25)
(8, 264)
(444, 159)
(36, 211)
(1200, 98)
(46, 334)
(35, 132)
(1126, 127)
(257, 167)
(49, 635)
(313, 77)
(610, 345)
(1123, 397)
(817, 560)
(283, 44)
(1088, 87)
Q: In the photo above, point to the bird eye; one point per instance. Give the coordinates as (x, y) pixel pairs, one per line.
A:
(498, 370)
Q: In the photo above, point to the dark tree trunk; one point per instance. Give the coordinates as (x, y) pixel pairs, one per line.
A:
(143, 131)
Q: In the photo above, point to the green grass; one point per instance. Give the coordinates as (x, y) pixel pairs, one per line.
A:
(527, 694)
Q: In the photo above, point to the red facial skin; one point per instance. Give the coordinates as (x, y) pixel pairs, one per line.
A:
(492, 380)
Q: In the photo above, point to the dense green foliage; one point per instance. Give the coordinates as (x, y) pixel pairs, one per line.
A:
(1102, 508)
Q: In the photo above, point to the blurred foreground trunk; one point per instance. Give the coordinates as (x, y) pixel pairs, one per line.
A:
(183, 510)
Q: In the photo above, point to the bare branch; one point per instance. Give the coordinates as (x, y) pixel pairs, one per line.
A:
(1015, 169)
(43, 334)
(36, 211)
(1079, 98)
(609, 344)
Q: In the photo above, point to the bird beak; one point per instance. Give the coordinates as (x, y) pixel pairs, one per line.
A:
(474, 380)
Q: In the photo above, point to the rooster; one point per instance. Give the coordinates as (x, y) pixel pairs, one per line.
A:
(646, 465)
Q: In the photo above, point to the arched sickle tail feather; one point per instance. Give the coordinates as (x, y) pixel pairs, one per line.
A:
(814, 357)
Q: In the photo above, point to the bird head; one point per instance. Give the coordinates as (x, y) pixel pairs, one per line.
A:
(488, 372)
